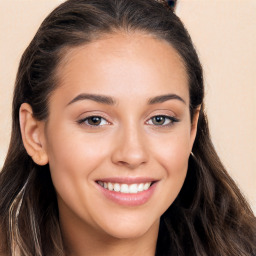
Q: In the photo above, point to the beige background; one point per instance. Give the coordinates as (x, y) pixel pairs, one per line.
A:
(224, 32)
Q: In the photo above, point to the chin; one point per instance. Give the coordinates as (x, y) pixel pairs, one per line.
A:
(133, 230)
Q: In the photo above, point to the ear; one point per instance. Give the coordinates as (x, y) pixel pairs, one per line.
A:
(32, 132)
(193, 130)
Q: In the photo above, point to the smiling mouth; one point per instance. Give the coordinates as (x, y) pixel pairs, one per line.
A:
(126, 188)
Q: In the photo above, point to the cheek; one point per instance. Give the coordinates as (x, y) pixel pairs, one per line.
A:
(73, 158)
(174, 151)
(175, 162)
(173, 157)
(74, 152)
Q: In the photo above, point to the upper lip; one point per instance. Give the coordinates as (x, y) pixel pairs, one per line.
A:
(128, 180)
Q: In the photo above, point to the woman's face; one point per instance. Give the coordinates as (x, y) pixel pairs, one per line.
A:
(119, 134)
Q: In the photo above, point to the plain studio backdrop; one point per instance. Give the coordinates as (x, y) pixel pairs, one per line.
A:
(224, 32)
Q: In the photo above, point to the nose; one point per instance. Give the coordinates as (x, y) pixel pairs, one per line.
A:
(130, 149)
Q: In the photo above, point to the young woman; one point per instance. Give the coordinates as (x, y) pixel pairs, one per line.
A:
(110, 151)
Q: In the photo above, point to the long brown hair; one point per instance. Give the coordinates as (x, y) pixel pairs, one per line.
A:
(209, 216)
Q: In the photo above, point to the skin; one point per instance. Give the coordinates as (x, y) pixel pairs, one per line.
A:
(130, 68)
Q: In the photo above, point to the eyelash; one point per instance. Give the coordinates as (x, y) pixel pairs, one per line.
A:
(84, 120)
(172, 120)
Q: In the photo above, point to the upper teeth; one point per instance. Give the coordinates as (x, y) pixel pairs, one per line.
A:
(125, 188)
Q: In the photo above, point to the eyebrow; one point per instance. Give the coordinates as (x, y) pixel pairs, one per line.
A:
(95, 97)
(163, 98)
(103, 99)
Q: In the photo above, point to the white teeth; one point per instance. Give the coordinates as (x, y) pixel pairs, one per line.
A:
(146, 186)
(141, 187)
(133, 188)
(110, 186)
(117, 187)
(125, 188)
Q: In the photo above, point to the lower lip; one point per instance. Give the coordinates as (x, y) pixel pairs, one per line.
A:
(129, 199)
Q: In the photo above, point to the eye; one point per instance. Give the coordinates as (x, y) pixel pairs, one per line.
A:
(162, 120)
(93, 121)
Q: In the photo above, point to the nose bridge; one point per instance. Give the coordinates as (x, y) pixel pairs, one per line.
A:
(131, 147)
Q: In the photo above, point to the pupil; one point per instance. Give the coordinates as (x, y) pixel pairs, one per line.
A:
(159, 119)
(94, 120)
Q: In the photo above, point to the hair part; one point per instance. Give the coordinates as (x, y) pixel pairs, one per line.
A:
(209, 216)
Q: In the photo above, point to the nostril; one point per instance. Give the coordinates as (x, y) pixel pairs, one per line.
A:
(130, 165)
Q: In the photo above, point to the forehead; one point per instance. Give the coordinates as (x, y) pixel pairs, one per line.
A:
(123, 63)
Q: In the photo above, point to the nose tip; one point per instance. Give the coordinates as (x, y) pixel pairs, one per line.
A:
(131, 162)
(130, 151)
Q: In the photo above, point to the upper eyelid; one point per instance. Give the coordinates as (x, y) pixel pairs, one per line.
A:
(164, 115)
(163, 112)
(86, 115)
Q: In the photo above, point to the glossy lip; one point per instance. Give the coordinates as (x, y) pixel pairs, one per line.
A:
(128, 199)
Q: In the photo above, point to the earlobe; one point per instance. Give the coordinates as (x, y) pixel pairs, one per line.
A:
(32, 133)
